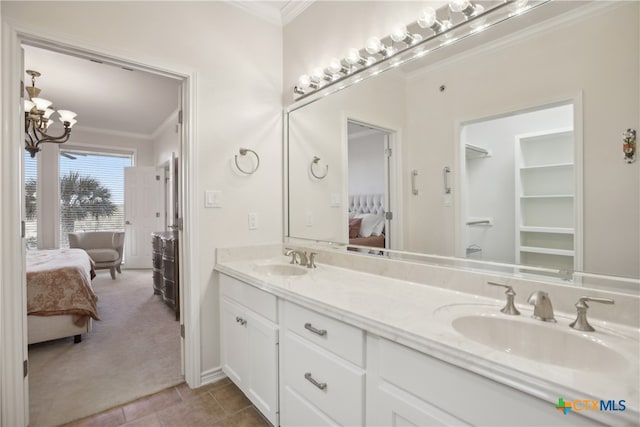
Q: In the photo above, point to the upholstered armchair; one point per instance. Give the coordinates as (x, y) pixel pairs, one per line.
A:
(104, 247)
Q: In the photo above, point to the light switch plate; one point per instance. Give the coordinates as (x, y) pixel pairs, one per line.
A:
(253, 221)
(213, 199)
(309, 218)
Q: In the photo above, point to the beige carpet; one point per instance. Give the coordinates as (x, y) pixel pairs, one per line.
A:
(132, 352)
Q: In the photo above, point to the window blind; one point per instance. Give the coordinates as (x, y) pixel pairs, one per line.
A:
(91, 191)
(31, 200)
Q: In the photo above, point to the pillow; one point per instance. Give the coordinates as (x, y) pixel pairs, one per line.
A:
(379, 229)
(354, 227)
(369, 224)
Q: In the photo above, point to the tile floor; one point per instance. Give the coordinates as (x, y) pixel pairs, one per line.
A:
(220, 404)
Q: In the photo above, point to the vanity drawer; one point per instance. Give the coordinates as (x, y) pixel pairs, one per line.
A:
(344, 340)
(327, 382)
(259, 301)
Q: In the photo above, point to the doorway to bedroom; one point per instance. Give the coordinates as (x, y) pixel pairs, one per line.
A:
(78, 187)
(370, 188)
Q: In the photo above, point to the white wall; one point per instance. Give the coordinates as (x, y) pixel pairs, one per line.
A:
(238, 89)
(366, 164)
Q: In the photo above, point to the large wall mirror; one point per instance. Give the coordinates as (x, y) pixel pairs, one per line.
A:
(503, 149)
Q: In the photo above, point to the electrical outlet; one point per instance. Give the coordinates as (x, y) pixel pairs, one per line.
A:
(335, 200)
(253, 221)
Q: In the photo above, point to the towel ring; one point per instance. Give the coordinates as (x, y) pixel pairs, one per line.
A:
(315, 161)
(243, 152)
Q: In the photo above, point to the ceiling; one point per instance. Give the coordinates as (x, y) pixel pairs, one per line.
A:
(105, 96)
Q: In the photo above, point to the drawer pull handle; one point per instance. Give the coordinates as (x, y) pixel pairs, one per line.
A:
(321, 332)
(308, 377)
(241, 321)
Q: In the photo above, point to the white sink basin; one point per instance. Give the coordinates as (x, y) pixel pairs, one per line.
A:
(549, 343)
(280, 270)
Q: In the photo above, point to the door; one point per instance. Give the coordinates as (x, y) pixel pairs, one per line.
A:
(143, 210)
(263, 365)
(235, 354)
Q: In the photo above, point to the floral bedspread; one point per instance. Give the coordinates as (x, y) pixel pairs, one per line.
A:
(59, 282)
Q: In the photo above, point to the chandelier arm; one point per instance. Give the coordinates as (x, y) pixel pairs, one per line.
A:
(56, 139)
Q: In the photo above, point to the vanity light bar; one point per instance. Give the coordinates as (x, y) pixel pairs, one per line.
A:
(466, 15)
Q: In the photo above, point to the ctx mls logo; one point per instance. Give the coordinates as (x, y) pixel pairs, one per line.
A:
(590, 405)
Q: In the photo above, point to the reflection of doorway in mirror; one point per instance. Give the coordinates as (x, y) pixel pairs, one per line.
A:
(369, 151)
(531, 219)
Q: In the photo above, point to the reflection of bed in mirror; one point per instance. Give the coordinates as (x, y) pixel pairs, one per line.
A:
(60, 300)
(366, 220)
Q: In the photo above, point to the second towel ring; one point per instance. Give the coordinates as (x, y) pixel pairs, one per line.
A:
(243, 152)
(315, 161)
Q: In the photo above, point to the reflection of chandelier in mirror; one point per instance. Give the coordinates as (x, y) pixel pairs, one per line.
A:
(37, 118)
(433, 29)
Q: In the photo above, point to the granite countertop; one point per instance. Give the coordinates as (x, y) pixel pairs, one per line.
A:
(420, 316)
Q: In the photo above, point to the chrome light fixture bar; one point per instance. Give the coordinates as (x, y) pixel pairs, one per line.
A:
(432, 30)
(37, 119)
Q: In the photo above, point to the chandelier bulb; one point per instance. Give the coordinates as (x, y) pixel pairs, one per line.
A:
(399, 33)
(374, 45)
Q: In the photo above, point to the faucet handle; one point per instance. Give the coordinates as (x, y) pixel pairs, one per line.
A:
(510, 307)
(581, 323)
(312, 260)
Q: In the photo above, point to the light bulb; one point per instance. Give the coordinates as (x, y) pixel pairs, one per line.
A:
(416, 38)
(41, 103)
(374, 45)
(399, 33)
(66, 115)
(304, 80)
(317, 74)
(353, 56)
(335, 66)
(427, 18)
(459, 5)
(371, 60)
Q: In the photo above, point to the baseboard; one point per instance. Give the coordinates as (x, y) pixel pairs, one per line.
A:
(212, 375)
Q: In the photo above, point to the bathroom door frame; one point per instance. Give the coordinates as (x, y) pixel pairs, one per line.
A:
(14, 399)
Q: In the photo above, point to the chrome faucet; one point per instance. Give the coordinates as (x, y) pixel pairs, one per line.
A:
(301, 257)
(581, 323)
(510, 307)
(542, 308)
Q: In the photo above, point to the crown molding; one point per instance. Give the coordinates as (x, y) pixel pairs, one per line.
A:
(270, 12)
(292, 9)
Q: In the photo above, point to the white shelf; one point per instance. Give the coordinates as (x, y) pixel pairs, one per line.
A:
(548, 251)
(555, 230)
(549, 196)
(547, 166)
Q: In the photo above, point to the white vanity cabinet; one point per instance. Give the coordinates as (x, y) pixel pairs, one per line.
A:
(406, 387)
(322, 377)
(249, 335)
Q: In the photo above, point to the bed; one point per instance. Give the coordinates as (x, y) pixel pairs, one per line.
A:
(366, 220)
(60, 300)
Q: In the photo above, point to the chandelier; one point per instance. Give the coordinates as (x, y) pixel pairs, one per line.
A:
(37, 118)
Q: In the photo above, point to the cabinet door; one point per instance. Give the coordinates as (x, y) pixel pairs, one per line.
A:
(262, 378)
(235, 348)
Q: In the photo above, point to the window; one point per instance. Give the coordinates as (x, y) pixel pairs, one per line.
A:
(91, 191)
(31, 200)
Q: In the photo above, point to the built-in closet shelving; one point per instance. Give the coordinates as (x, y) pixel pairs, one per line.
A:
(545, 199)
